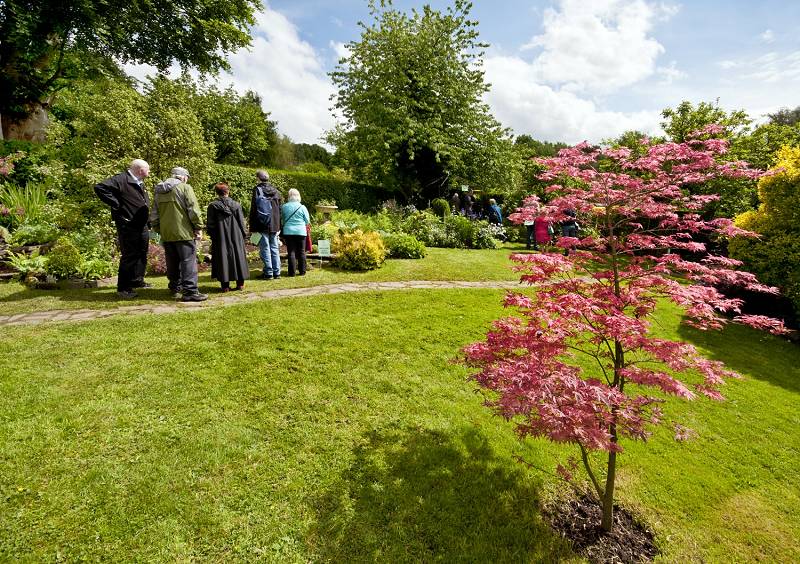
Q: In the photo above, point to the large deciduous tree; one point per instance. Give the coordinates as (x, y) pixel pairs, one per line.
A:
(44, 44)
(596, 303)
(236, 125)
(410, 92)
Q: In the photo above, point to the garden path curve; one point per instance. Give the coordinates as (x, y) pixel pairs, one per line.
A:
(233, 298)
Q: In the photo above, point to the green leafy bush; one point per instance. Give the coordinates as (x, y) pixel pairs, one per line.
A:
(97, 268)
(327, 230)
(64, 260)
(774, 257)
(359, 250)
(404, 246)
(33, 234)
(27, 265)
(440, 207)
(461, 231)
(425, 226)
(486, 235)
(24, 204)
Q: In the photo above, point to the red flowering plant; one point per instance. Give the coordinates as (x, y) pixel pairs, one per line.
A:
(646, 245)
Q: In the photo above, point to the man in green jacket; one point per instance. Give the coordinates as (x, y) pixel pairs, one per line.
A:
(176, 217)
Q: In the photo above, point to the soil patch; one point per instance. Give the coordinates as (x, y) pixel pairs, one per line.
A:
(578, 520)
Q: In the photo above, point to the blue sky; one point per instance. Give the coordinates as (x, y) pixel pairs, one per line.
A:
(561, 70)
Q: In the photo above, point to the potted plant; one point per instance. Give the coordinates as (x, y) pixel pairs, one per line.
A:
(325, 208)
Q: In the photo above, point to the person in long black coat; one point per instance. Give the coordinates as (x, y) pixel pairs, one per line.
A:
(225, 223)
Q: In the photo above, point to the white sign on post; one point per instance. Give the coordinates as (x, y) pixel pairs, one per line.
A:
(324, 247)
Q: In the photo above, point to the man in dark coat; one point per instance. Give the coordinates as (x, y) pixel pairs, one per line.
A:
(269, 245)
(225, 223)
(125, 194)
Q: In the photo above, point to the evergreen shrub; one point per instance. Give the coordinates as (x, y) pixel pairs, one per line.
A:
(359, 250)
(440, 207)
(64, 260)
(403, 246)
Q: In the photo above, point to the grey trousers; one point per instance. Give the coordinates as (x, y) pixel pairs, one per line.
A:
(181, 260)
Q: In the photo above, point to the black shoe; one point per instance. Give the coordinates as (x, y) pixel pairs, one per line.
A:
(144, 285)
(127, 294)
(194, 297)
(276, 277)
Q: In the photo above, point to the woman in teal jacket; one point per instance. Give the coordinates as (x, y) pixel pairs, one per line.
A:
(294, 219)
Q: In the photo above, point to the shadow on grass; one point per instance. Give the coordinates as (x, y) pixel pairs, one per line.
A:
(419, 495)
(88, 296)
(108, 294)
(750, 352)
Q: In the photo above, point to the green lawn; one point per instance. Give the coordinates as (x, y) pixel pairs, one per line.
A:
(336, 428)
(440, 264)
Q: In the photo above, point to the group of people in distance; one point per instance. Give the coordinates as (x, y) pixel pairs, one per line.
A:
(175, 215)
(540, 230)
(466, 205)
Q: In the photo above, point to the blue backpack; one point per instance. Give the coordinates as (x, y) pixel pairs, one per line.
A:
(263, 209)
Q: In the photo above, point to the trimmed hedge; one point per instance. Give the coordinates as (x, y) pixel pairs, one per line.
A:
(312, 187)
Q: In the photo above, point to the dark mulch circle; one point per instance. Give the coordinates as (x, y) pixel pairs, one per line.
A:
(578, 520)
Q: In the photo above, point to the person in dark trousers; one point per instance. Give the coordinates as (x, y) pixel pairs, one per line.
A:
(268, 246)
(294, 218)
(176, 216)
(225, 224)
(455, 203)
(466, 204)
(125, 194)
(495, 213)
(569, 226)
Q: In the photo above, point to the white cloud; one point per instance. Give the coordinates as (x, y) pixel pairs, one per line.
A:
(772, 68)
(587, 50)
(288, 74)
(670, 73)
(598, 46)
(767, 37)
(340, 49)
(519, 101)
(284, 70)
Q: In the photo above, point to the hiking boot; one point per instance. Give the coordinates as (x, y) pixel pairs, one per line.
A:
(194, 297)
(127, 294)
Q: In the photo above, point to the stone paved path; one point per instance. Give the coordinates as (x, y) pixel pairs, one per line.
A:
(234, 298)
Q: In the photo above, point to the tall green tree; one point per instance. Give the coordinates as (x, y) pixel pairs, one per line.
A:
(410, 93)
(680, 122)
(785, 116)
(737, 195)
(108, 123)
(45, 44)
(235, 124)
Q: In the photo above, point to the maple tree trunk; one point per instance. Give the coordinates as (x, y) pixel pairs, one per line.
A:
(608, 498)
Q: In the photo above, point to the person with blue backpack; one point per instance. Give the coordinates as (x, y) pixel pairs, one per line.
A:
(265, 218)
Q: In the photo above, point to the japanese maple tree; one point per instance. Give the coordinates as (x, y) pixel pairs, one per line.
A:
(648, 241)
